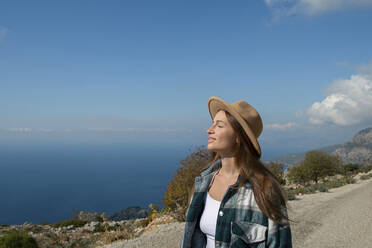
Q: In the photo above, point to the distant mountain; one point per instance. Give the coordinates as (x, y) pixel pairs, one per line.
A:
(358, 150)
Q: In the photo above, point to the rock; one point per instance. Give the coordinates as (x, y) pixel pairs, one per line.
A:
(90, 226)
(129, 213)
(87, 216)
(112, 223)
(363, 137)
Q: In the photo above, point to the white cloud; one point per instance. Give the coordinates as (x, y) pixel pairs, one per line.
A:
(19, 130)
(313, 7)
(281, 126)
(348, 102)
(3, 32)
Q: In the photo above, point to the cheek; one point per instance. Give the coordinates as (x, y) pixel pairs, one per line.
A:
(232, 140)
(229, 138)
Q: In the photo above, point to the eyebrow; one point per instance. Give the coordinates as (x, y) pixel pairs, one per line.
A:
(220, 121)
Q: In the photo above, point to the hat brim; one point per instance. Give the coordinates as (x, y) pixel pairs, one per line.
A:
(215, 104)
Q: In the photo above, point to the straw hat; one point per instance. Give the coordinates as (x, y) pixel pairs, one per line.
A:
(244, 113)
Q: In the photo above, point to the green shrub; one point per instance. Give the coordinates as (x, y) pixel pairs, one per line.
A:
(144, 222)
(322, 187)
(366, 177)
(99, 228)
(298, 190)
(153, 212)
(80, 243)
(73, 222)
(99, 218)
(341, 181)
(308, 190)
(290, 195)
(366, 168)
(44, 223)
(104, 227)
(334, 184)
(350, 169)
(348, 180)
(15, 239)
(113, 228)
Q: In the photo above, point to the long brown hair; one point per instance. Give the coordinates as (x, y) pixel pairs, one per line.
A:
(266, 188)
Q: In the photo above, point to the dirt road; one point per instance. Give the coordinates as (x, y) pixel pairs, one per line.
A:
(340, 218)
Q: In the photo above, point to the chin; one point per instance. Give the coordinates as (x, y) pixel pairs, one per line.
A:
(210, 148)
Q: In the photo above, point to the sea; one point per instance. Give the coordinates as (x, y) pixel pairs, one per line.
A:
(51, 182)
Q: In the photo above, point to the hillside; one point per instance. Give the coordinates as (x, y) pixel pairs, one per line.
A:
(358, 150)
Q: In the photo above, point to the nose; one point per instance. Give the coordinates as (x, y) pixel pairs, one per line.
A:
(210, 130)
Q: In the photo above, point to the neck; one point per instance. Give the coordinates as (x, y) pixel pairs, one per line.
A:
(229, 167)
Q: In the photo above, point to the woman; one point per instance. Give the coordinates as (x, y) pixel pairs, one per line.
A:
(237, 201)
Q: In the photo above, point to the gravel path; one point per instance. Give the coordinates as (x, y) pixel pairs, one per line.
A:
(340, 218)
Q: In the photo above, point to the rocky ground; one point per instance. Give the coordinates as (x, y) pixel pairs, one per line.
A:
(90, 235)
(95, 233)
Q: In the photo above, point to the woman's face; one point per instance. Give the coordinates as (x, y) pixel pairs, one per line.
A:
(222, 138)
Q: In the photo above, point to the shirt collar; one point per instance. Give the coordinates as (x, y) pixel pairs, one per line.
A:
(213, 169)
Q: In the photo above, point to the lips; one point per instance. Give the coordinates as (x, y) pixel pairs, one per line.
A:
(211, 139)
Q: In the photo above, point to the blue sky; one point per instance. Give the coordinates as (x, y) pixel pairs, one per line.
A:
(142, 71)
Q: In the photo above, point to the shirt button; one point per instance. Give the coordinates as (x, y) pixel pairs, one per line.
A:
(220, 213)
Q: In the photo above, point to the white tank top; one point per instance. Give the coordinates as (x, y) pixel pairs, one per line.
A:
(208, 220)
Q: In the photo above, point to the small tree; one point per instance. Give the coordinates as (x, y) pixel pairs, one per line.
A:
(277, 169)
(179, 187)
(320, 164)
(298, 174)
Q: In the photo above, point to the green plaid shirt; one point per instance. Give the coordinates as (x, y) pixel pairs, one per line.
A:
(240, 222)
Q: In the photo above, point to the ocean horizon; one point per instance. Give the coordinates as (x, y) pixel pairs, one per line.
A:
(49, 183)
